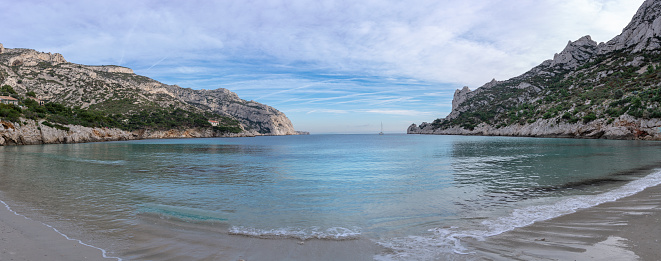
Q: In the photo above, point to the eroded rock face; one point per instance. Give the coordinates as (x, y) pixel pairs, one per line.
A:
(27, 57)
(256, 118)
(576, 53)
(111, 69)
(624, 128)
(54, 79)
(642, 33)
(2, 48)
(460, 96)
(29, 132)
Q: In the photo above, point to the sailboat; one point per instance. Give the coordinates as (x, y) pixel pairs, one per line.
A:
(381, 133)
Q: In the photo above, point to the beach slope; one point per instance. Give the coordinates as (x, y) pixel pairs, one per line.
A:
(25, 239)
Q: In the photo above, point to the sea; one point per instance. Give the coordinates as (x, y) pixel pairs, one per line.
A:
(315, 197)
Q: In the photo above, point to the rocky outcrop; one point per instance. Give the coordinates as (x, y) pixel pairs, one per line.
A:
(575, 53)
(121, 91)
(460, 96)
(111, 69)
(555, 98)
(29, 132)
(2, 48)
(28, 57)
(642, 33)
(260, 118)
(625, 127)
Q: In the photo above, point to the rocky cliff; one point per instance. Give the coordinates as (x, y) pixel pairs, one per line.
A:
(260, 118)
(29, 132)
(118, 90)
(625, 127)
(607, 90)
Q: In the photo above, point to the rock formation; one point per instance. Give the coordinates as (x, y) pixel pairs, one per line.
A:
(460, 96)
(575, 53)
(642, 33)
(625, 127)
(118, 90)
(29, 132)
(589, 90)
(252, 115)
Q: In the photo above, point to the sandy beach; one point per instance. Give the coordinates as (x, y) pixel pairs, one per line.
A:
(626, 229)
(25, 239)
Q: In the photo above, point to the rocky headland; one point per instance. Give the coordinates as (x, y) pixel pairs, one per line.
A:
(608, 90)
(117, 90)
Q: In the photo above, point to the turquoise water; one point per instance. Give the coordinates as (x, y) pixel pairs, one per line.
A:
(415, 196)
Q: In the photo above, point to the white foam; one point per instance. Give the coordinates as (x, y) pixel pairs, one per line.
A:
(445, 242)
(334, 233)
(103, 251)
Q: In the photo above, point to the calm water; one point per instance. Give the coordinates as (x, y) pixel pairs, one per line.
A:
(408, 196)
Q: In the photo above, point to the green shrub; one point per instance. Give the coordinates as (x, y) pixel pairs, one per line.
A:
(55, 125)
(589, 117)
(7, 90)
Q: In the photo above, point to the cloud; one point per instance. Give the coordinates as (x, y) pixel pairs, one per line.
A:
(400, 112)
(328, 55)
(328, 111)
(468, 41)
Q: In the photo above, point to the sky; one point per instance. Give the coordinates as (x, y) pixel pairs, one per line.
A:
(332, 66)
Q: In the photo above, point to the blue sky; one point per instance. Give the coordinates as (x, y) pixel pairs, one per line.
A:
(330, 66)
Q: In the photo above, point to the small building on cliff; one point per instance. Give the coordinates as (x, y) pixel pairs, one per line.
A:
(8, 100)
(39, 101)
(213, 123)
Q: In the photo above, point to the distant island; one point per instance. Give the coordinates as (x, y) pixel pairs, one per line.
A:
(45, 99)
(608, 90)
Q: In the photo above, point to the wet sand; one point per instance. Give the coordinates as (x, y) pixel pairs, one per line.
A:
(25, 239)
(626, 229)
(163, 239)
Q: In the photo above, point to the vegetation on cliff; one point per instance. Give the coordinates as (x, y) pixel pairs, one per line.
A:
(55, 115)
(114, 96)
(587, 83)
(605, 87)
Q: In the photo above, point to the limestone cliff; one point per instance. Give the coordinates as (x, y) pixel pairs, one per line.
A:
(29, 132)
(625, 127)
(260, 118)
(118, 90)
(608, 90)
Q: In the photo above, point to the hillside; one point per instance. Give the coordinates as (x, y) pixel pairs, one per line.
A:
(608, 90)
(131, 101)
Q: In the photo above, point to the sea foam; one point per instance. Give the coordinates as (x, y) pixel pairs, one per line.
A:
(334, 233)
(446, 242)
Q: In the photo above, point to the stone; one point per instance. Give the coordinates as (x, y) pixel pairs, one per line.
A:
(32, 133)
(642, 33)
(460, 96)
(84, 85)
(575, 53)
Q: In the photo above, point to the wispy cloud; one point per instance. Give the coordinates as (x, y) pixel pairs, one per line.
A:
(400, 112)
(355, 55)
(328, 111)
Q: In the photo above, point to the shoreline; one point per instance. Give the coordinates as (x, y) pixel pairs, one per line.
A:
(625, 229)
(30, 132)
(26, 239)
(625, 127)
